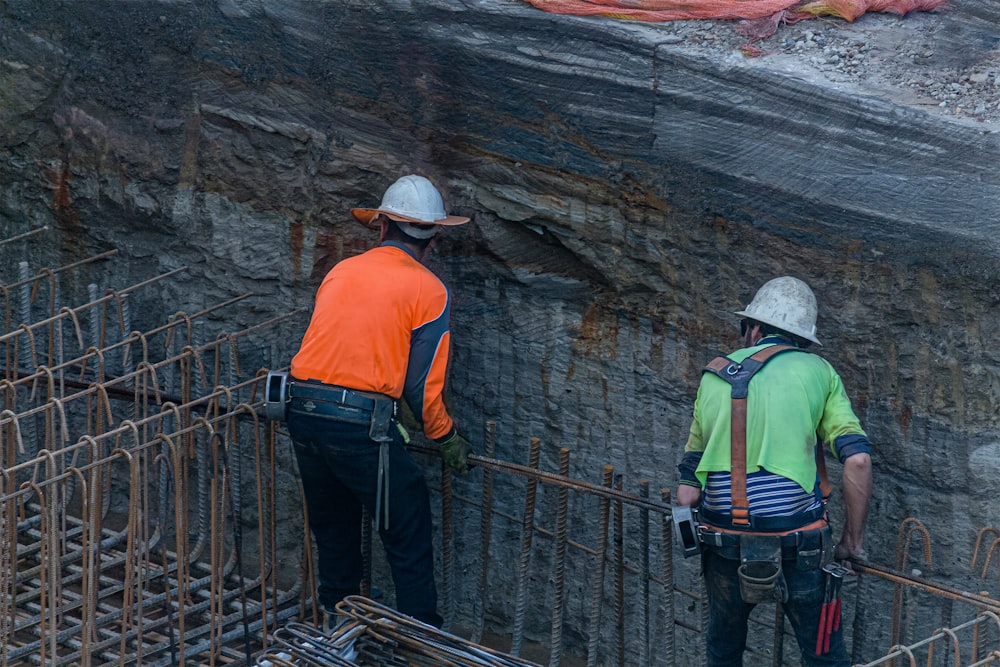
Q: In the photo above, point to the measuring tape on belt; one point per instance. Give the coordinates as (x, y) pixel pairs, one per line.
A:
(738, 375)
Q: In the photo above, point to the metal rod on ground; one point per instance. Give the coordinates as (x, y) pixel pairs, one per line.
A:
(559, 588)
(597, 597)
(485, 525)
(644, 576)
(527, 532)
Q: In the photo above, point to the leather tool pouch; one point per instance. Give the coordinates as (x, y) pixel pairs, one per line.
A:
(381, 420)
(814, 550)
(760, 569)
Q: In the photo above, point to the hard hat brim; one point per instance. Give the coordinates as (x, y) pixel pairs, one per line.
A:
(758, 318)
(366, 217)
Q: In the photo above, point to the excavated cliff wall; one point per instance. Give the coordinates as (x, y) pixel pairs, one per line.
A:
(628, 192)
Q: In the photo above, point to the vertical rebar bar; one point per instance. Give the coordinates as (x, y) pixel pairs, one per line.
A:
(485, 532)
(7, 555)
(366, 553)
(644, 576)
(524, 556)
(25, 316)
(597, 595)
(667, 612)
(703, 608)
(859, 628)
(95, 325)
(912, 606)
(558, 576)
(447, 550)
(619, 577)
(778, 646)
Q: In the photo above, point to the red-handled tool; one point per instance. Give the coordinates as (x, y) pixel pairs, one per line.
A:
(829, 616)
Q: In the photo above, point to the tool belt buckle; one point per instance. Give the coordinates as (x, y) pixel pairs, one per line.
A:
(710, 537)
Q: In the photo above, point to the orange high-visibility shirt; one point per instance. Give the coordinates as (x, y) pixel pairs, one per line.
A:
(380, 323)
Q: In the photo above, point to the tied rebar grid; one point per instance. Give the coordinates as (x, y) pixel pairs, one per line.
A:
(122, 493)
(122, 484)
(613, 612)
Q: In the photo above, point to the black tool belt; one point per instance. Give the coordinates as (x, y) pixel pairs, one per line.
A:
(329, 401)
(378, 411)
(809, 544)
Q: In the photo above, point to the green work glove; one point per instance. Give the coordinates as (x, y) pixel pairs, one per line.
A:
(455, 451)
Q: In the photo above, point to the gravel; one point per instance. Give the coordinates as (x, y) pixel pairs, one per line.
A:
(935, 61)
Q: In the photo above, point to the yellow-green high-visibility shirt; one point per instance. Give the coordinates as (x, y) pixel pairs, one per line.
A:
(796, 397)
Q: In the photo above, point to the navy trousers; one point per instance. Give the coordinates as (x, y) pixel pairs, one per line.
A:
(728, 613)
(338, 464)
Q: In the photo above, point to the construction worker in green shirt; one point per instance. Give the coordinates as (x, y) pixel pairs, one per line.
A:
(751, 471)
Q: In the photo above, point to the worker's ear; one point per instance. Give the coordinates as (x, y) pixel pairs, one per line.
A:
(383, 228)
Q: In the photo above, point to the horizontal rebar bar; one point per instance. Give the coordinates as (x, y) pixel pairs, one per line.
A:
(934, 587)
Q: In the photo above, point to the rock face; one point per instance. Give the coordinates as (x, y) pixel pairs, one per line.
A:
(631, 184)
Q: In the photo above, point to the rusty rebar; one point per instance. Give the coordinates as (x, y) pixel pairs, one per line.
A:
(907, 528)
(555, 479)
(447, 546)
(559, 568)
(979, 601)
(600, 555)
(367, 537)
(948, 635)
(644, 574)
(485, 532)
(524, 554)
(667, 613)
(27, 234)
(619, 555)
(391, 638)
(989, 530)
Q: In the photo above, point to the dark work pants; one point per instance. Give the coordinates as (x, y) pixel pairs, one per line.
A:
(338, 464)
(728, 614)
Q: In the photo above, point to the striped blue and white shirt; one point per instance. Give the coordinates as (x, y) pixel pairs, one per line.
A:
(768, 494)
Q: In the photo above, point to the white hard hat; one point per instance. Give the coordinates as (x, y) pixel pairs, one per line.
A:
(786, 303)
(411, 199)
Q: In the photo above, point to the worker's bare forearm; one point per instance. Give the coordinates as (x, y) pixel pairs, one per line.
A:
(857, 489)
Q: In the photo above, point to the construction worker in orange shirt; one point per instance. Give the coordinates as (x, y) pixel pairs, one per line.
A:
(379, 333)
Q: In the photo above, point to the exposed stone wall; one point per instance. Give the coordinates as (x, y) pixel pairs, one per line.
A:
(627, 196)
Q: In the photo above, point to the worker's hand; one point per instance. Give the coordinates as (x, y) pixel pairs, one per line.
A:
(688, 495)
(455, 451)
(844, 551)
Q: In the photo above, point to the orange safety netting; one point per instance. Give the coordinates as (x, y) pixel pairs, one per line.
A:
(775, 11)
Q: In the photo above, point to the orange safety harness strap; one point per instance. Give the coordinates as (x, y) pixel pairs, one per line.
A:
(738, 375)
